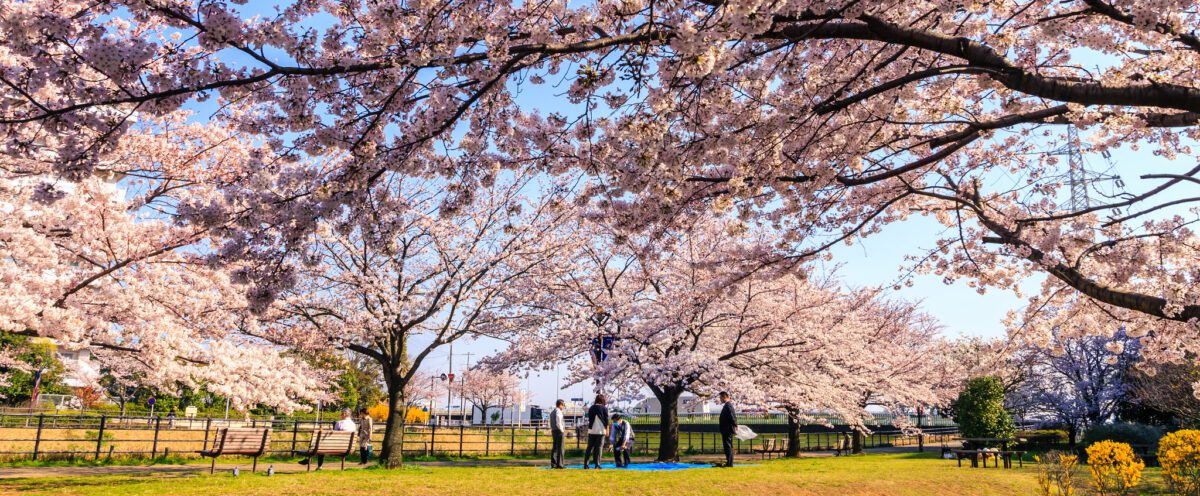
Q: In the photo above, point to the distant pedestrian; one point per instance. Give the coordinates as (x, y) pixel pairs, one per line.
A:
(597, 421)
(844, 444)
(365, 426)
(558, 431)
(728, 426)
(171, 418)
(621, 439)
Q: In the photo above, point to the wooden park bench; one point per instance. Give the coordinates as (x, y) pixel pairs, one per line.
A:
(329, 443)
(251, 441)
(998, 456)
(772, 446)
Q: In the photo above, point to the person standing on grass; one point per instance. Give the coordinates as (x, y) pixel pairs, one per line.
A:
(558, 431)
(728, 427)
(597, 421)
(365, 426)
(621, 440)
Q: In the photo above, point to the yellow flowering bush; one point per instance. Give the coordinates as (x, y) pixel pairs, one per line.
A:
(413, 415)
(1179, 456)
(1056, 473)
(1115, 468)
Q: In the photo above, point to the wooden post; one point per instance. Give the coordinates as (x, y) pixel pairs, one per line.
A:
(461, 427)
(535, 440)
(100, 436)
(433, 439)
(154, 447)
(37, 441)
(512, 441)
(487, 439)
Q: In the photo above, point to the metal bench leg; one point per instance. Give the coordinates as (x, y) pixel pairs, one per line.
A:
(212, 468)
(254, 467)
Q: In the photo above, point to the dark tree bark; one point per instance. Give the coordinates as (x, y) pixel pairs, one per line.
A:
(392, 453)
(668, 422)
(793, 418)
(858, 442)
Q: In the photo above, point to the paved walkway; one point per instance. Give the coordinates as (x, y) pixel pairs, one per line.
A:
(190, 469)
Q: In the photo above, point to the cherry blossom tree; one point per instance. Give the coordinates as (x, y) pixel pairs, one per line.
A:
(485, 390)
(1078, 380)
(830, 118)
(97, 263)
(425, 265)
(865, 351)
(695, 310)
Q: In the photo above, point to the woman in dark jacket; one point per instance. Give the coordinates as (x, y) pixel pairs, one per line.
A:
(597, 429)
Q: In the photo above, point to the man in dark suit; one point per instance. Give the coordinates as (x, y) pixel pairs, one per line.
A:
(728, 427)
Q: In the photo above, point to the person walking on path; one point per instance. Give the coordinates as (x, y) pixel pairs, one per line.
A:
(365, 426)
(622, 440)
(597, 421)
(345, 424)
(728, 427)
(558, 431)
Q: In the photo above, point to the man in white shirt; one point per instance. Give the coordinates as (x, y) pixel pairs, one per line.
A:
(558, 430)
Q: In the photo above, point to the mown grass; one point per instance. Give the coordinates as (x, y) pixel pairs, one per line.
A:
(900, 475)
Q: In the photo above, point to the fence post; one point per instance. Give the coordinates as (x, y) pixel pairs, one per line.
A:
(487, 439)
(921, 442)
(512, 441)
(461, 427)
(433, 439)
(100, 436)
(536, 431)
(37, 441)
(295, 428)
(154, 447)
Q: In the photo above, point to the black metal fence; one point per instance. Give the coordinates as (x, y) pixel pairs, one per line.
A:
(44, 436)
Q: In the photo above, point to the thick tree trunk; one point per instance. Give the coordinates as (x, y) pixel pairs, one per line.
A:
(393, 436)
(668, 423)
(793, 418)
(858, 442)
(1072, 431)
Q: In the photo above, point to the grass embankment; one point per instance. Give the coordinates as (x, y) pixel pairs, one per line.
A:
(899, 475)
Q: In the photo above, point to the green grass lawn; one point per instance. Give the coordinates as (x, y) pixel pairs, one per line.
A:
(860, 475)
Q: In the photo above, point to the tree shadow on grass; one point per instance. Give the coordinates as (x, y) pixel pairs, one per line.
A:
(46, 484)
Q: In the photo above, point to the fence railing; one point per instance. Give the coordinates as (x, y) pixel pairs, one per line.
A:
(89, 437)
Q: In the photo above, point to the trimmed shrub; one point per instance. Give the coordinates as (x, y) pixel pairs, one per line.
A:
(1128, 433)
(979, 410)
(1179, 457)
(1115, 468)
(1043, 436)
